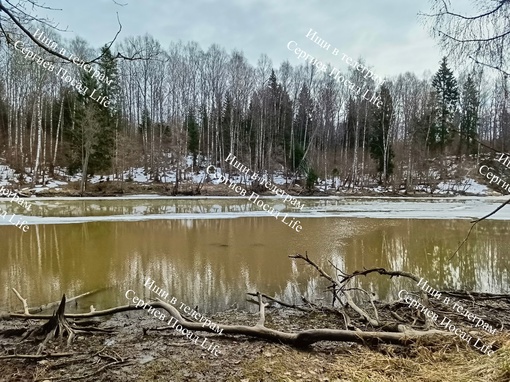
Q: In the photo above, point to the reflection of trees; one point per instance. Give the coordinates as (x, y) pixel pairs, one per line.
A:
(159, 206)
(424, 247)
(212, 263)
(108, 207)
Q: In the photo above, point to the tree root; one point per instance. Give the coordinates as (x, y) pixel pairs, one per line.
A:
(389, 331)
(57, 326)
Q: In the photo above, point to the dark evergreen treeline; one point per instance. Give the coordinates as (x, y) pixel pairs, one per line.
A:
(184, 101)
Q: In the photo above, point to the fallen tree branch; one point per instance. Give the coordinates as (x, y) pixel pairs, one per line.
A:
(282, 303)
(23, 300)
(340, 287)
(305, 337)
(474, 223)
(56, 303)
(381, 271)
(300, 339)
(97, 313)
(37, 356)
(313, 264)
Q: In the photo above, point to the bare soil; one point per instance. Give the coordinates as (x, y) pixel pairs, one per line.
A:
(136, 351)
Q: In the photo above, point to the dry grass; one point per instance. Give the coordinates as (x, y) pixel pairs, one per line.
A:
(166, 356)
(446, 360)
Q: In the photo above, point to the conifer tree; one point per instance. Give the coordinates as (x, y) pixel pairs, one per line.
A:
(92, 138)
(106, 116)
(447, 96)
(83, 137)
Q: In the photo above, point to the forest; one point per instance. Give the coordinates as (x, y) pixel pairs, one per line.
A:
(169, 104)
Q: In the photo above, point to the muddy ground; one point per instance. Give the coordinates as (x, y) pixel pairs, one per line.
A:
(137, 352)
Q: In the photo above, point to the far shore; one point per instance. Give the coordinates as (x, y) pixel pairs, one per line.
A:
(187, 189)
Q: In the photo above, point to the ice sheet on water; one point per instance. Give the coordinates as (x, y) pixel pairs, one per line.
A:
(355, 207)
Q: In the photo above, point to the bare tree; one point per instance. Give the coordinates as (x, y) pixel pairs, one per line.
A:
(481, 36)
(15, 19)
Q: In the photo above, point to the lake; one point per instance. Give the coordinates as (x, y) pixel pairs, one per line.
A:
(208, 252)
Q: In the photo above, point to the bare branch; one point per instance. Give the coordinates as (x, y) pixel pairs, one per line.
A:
(482, 38)
(23, 300)
(37, 356)
(492, 213)
(18, 23)
(29, 34)
(447, 12)
(262, 311)
(485, 39)
(282, 303)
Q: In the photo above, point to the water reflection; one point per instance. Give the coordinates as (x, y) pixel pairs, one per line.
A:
(114, 207)
(212, 263)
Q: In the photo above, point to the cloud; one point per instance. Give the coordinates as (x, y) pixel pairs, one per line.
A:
(387, 34)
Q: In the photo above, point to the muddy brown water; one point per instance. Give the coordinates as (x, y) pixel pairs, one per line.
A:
(213, 260)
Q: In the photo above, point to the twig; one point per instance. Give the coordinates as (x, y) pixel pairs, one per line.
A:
(56, 303)
(381, 271)
(319, 269)
(37, 356)
(23, 300)
(94, 372)
(293, 306)
(492, 213)
(262, 311)
(474, 223)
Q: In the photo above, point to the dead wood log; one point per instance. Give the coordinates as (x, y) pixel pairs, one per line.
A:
(57, 303)
(282, 303)
(305, 337)
(37, 356)
(301, 338)
(339, 287)
(57, 326)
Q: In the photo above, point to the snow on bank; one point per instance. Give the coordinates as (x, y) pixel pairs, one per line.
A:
(138, 175)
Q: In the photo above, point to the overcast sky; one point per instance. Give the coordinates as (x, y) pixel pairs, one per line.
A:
(388, 34)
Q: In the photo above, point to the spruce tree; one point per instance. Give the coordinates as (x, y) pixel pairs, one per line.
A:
(81, 136)
(106, 116)
(447, 96)
(93, 137)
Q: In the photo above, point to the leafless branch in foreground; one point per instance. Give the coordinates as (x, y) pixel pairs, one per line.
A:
(481, 37)
(473, 224)
(19, 23)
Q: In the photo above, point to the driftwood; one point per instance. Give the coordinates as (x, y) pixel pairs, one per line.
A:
(57, 303)
(302, 338)
(37, 356)
(389, 331)
(57, 326)
(341, 292)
